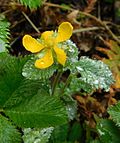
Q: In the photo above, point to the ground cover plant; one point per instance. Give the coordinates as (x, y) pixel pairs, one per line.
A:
(59, 71)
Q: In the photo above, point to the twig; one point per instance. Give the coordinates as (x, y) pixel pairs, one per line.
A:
(32, 24)
(86, 29)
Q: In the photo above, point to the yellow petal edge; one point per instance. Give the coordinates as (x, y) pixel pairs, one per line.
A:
(45, 62)
(64, 32)
(61, 55)
(31, 44)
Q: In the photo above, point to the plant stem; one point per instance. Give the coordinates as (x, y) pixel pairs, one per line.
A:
(56, 80)
(66, 83)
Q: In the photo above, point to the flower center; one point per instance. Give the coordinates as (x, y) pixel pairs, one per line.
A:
(49, 42)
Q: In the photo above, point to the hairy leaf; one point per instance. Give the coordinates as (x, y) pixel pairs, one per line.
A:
(39, 111)
(72, 54)
(31, 72)
(25, 91)
(109, 133)
(32, 3)
(78, 85)
(8, 132)
(37, 135)
(10, 76)
(95, 73)
(114, 112)
(4, 33)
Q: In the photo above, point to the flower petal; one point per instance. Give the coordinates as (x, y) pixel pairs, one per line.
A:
(47, 34)
(64, 32)
(46, 61)
(61, 55)
(31, 44)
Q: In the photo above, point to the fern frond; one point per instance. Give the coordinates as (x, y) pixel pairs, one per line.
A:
(31, 3)
(4, 33)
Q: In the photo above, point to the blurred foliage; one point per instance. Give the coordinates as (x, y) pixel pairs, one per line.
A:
(113, 60)
(108, 131)
(8, 132)
(32, 3)
(114, 112)
(4, 33)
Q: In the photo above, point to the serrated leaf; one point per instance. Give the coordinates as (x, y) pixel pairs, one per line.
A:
(109, 133)
(95, 73)
(25, 91)
(37, 135)
(71, 106)
(114, 112)
(77, 85)
(60, 134)
(31, 72)
(10, 75)
(31, 3)
(39, 111)
(72, 54)
(66, 133)
(8, 132)
(75, 133)
(4, 33)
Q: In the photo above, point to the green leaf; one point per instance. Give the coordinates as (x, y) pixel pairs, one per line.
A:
(10, 76)
(31, 72)
(72, 54)
(95, 73)
(95, 141)
(114, 112)
(71, 106)
(8, 132)
(32, 3)
(39, 111)
(37, 135)
(60, 134)
(77, 85)
(25, 91)
(109, 133)
(66, 133)
(75, 133)
(4, 33)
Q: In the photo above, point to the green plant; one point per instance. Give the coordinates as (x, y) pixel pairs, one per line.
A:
(4, 33)
(32, 4)
(35, 100)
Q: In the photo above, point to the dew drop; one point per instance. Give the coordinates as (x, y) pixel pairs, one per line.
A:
(42, 62)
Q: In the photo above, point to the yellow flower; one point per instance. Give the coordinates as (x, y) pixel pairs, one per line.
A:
(49, 43)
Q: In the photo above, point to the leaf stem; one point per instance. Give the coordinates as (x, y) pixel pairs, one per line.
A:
(56, 80)
(67, 83)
